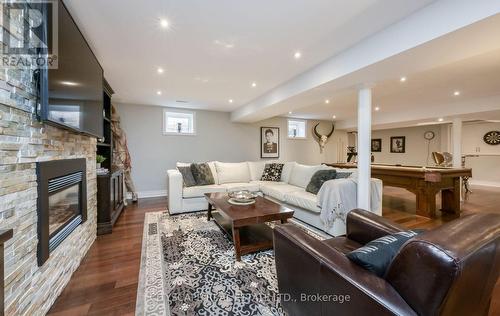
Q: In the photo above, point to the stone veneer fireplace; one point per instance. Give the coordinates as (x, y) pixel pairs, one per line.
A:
(62, 202)
(30, 289)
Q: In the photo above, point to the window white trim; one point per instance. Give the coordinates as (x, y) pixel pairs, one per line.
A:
(288, 126)
(181, 112)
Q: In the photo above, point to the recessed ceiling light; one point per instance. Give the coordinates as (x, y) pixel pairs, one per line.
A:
(297, 55)
(334, 117)
(158, 92)
(230, 100)
(254, 84)
(160, 70)
(70, 83)
(377, 108)
(327, 101)
(290, 112)
(402, 79)
(440, 119)
(164, 23)
(456, 93)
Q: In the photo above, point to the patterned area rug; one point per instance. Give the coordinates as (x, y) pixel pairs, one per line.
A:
(188, 268)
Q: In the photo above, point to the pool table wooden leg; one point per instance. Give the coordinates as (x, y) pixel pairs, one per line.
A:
(451, 198)
(426, 203)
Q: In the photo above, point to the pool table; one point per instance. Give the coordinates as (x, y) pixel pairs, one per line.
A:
(425, 182)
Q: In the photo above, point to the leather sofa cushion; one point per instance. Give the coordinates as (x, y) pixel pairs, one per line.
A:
(199, 191)
(232, 172)
(342, 244)
(304, 200)
(277, 190)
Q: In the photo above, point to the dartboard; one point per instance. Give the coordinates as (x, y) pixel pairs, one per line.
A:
(492, 138)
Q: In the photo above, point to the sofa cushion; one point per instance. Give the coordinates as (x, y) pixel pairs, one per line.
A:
(272, 172)
(376, 255)
(200, 190)
(211, 164)
(303, 200)
(302, 174)
(277, 190)
(287, 171)
(256, 168)
(187, 176)
(252, 186)
(202, 174)
(232, 172)
(318, 178)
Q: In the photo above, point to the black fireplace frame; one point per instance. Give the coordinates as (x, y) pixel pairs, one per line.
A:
(47, 170)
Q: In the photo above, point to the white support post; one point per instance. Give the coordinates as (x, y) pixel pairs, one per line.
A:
(456, 131)
(364, 147)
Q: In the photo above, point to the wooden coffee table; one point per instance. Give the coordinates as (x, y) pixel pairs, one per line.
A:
(245, 224)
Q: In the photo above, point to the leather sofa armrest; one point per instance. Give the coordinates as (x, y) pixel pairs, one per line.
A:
(363, 226)
(175, 185)
(308, 269)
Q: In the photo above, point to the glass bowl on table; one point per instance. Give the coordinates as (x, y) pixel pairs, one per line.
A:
(241, 197)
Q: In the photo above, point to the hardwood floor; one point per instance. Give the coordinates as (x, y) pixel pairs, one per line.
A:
(106, 281)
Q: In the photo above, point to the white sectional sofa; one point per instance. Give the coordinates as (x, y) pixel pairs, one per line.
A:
(290, 191)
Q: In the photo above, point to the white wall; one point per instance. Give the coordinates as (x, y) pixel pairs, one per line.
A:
(217, 138)
(485, 170)
(417, 147)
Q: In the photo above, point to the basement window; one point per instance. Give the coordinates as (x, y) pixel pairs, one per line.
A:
(297, 129)
(179, 122)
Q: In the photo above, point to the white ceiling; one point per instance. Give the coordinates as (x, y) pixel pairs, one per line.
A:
(475, 78)
(467, 60)
(129, 43)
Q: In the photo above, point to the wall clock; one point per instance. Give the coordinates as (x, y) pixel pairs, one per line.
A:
(492, 138)
(429, 135)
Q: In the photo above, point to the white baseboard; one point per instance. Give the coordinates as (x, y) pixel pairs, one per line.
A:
(148, 194)
(481, 183)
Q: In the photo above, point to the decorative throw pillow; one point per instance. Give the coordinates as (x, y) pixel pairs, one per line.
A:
(376, 255)
(318, 178)
(272, 172)
(187, 176)
(343, 175)
(202, 174)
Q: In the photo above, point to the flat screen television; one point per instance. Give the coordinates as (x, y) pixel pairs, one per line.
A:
(71, 96)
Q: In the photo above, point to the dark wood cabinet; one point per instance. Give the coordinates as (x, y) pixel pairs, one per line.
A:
(109, 201)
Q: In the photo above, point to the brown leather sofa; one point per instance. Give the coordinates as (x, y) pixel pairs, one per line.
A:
(450, 270)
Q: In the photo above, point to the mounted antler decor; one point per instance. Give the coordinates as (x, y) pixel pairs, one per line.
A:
(322, 139)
